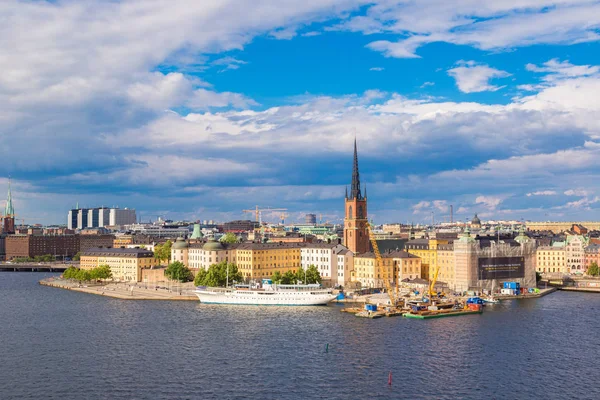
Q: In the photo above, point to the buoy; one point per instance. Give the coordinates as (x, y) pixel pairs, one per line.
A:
(390, 379)
(327, 348)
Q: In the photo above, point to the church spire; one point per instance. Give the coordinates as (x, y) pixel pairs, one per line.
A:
(355, 192)
(9, 210)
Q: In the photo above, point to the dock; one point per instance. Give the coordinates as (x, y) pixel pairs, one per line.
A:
(122, 291)
(434, 314)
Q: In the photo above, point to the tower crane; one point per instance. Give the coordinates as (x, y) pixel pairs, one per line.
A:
(381, 270)
(257, 211)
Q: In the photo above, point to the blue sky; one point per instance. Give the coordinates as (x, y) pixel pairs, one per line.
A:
(198, 110)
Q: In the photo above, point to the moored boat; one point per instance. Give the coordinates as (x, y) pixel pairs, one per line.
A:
(267, 295)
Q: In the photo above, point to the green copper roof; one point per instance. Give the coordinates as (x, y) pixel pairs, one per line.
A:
(9, 210)
(197, 234)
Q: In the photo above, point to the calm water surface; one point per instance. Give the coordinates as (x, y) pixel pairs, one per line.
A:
(57, 344)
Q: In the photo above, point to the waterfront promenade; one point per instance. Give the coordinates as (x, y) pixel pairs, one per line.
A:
(124, 291)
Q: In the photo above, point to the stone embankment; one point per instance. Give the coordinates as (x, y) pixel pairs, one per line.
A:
(126, 291)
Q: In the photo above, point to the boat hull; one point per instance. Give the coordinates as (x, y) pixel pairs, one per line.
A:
(265, 298)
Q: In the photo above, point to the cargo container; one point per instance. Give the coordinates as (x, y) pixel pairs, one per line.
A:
(371, 307)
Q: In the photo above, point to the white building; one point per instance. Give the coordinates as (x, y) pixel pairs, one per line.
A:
(575, 254)
(119, 216)
(203, 255)
(345, 263)
(323, 256)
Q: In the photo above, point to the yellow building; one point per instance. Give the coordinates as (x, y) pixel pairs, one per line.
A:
(446, 263)
(426, 250)
(397, 265)
(261, 260)
(551, 259)
(125, 264)
(122, 240)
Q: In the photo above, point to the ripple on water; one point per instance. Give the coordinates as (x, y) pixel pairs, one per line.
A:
(67, 345)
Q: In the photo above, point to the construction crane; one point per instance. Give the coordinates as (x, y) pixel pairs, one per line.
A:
(381, 270)
(432, 291)
(283, 216)
(257, 211)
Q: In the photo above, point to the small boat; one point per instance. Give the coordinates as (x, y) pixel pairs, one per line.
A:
(491, 300)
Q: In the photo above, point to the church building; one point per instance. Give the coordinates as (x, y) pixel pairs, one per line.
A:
(356, 234)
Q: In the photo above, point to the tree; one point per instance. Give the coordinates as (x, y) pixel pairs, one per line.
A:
(276, 277)
(217, 275)
(593, 269)
(229, 238)
(104, 272)
(312, 275)
(300, 277)
(77, 256)
(288, 278)
(176, 271)
(162, 252)
(199, 279)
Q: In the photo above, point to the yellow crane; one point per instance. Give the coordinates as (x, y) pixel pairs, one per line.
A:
(432, 291)
(257, 211)
(380, 270)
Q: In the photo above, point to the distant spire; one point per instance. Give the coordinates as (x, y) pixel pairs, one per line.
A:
(365, 190)
(346, 191)
(77, 206)
(9, 210)
(355, 192)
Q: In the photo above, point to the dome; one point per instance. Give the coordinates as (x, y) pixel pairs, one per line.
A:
(476, 220)
(180, 243)
(213, 245)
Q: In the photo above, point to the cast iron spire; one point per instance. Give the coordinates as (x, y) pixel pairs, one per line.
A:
(9, 210)
(355, 190)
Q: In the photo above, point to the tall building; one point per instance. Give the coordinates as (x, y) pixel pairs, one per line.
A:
(124, 216)
(356, 234)
(9, 214)
(99, 217)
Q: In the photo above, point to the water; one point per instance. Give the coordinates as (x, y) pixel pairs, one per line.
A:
(57, 344)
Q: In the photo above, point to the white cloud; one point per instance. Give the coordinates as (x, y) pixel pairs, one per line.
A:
(425, 84)
(471, 77)
(376, 69)
(491, 202)
(542, 193)
(557, 69)
(484, 24)
(576, 192)
(229, 63)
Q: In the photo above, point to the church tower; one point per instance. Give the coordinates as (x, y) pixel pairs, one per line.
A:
(356, 234)
(9, 214)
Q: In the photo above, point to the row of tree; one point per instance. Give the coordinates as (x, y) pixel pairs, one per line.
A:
(218, 275)
(311, 275)
(101, 272)
(44, 258)
(162, 252)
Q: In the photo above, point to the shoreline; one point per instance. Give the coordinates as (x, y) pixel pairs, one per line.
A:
(121, 291)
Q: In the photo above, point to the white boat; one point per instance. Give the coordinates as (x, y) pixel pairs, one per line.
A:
(268, 295)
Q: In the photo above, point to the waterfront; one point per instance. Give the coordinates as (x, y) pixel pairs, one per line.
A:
(69, 345)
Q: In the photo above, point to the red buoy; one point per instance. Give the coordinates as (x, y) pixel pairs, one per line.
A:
(390, 378)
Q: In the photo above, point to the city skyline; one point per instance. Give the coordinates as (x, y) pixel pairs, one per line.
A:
(200, 114)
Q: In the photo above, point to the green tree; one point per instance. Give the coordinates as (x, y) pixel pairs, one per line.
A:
(229, 238)
(199, 279)
(176, 271)
(77, 256)
(299, 275)
(593, 269)
(276, 277)
(312, 275)
(162, 252)
(288, 278)
(217, 275)
(104, 272)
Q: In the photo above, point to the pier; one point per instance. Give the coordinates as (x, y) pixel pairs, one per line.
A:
(125, 291)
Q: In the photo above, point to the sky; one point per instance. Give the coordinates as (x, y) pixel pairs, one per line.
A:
(198, 110)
